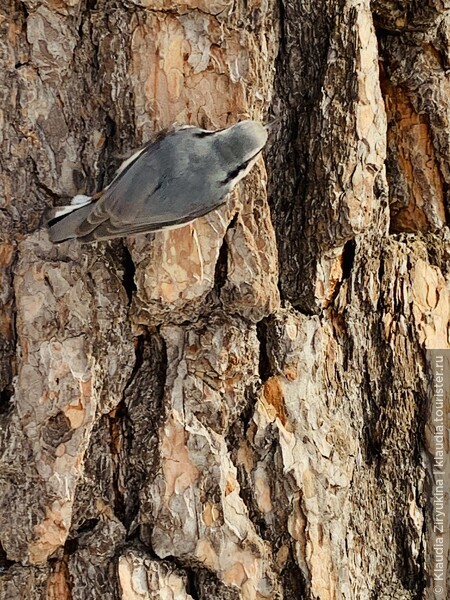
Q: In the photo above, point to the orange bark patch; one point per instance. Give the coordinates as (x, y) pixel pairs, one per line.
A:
(273, 395)
(417, 191)
(180, 473)
(58, 584)
(231, 484)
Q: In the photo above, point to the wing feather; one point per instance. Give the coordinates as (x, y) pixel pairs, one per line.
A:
(113, 207)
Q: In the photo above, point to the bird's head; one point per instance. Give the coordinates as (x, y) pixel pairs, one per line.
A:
(238, 148)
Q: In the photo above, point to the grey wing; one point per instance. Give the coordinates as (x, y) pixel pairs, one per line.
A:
(134, 155)
(136, 201)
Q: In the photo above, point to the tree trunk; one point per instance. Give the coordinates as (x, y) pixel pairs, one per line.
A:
(238, 409)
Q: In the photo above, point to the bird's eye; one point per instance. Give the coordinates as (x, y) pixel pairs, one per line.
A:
(236, 172)
(202, 134)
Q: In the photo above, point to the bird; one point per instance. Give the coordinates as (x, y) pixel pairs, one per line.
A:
(174, 179)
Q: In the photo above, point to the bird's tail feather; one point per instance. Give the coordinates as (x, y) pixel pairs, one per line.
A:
(63, 221)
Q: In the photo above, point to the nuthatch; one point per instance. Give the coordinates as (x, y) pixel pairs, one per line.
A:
(173, 180)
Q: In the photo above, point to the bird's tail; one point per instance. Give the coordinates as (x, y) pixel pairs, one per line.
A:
(63, 221)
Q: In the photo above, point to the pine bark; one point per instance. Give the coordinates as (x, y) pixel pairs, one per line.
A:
(237, 409)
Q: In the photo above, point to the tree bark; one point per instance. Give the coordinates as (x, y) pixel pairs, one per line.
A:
(240, 408)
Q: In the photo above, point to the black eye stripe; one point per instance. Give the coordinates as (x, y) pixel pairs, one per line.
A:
(233, 174)
(236, 172)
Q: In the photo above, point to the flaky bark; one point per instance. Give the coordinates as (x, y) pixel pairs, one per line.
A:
(238, 408)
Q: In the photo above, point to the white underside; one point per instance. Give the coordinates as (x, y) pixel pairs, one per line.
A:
(172, 227)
